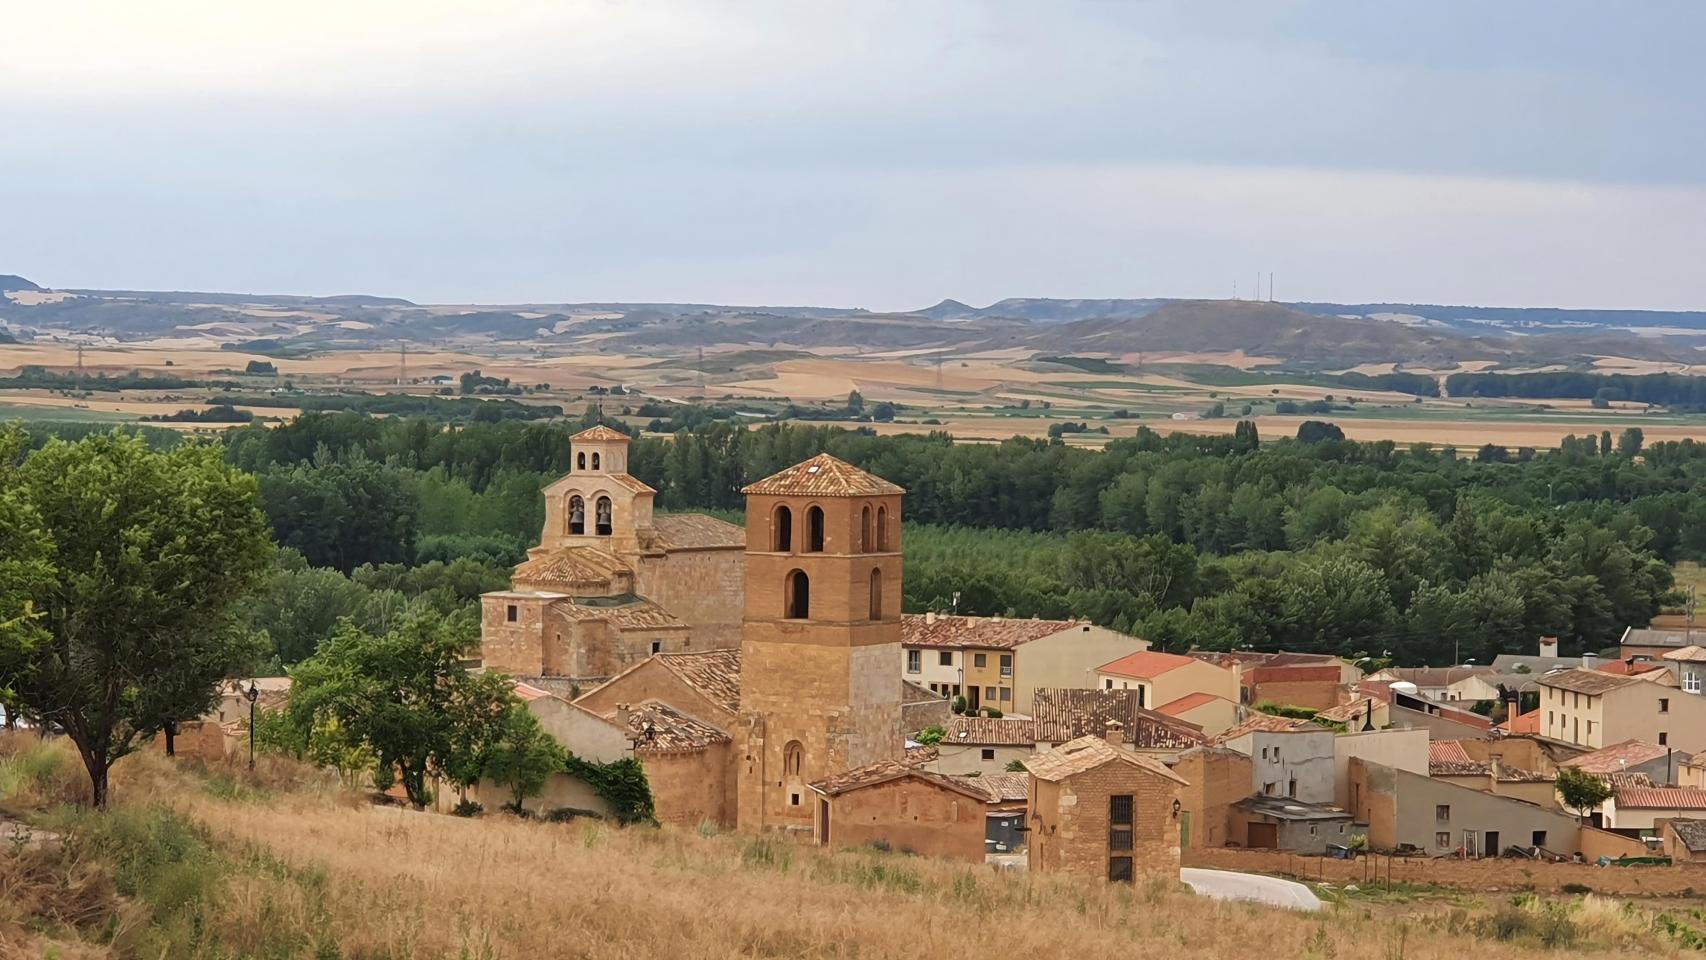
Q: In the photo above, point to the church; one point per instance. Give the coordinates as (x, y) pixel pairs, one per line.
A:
(790, 660)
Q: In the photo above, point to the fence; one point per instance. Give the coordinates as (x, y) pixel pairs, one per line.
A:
(1482, 875)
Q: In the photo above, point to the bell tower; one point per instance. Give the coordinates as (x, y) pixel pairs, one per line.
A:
(597, 504)
(820, 645)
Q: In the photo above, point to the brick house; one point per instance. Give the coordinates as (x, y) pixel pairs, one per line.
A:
(896, 806)
(999, 661)
(610, 583)
(1684, 841)
(1099, 811)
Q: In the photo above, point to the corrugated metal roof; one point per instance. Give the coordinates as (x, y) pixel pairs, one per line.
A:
(823, 476)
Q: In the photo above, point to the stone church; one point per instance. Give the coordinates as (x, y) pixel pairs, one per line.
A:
(782, 640)
(610, 583)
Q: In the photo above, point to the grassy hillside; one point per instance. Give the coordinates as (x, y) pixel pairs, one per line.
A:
(207, 862)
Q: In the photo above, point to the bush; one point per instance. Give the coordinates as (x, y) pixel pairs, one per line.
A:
(468, 808)
(565, 814)
(931, 735)
(992, 712)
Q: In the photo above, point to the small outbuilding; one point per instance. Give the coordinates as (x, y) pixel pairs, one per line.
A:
(1097, 810)
(895, 806)
(1281, 823)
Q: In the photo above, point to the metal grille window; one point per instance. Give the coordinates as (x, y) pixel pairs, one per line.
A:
(1119, 869)
(1119, 809)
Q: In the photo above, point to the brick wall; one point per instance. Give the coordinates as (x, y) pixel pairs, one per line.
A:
(908, 815)
(1478, 875)
(1316, 694)
(1215, 780)
(1069, 822)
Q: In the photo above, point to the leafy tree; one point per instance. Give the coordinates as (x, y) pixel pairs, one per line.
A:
(404, 694)
(855, 403)
(883, 412)
(931, 735)
(1581, 791)
(153, 553)
(523, 756)
(1629, 443)
(1315, 431)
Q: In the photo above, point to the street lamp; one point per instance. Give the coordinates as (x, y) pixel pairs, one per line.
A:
(252, 694)
(1465, 665)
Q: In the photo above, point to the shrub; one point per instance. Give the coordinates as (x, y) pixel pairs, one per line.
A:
(992, 712)
(566, 814)
(468, 808)
(931, 735)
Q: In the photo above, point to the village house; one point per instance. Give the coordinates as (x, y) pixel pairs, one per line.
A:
(610, 583)
(1653, 644)
(895, 806)
(1591, 709)
(1215, 778)
(1449, 762)
(1314, 680)
(1432, 683)
(1635, 810)
(984, 745)
(1004, 818)
(1689, 664)
(1062, 714)
(1408, 710)
(1099, 811)
(1361, 714)
(1661, 765)
(1684, 841)
(1289, 758)
(999, 661)
(1296, 826)
(1187, 688)
(1405, 749)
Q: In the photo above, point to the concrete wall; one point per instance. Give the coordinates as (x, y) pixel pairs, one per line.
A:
(1069, 822)
(906, 815)
(968, 758)
(1067, 659)
(1278, 758)
(1404, 807)
(1403, 749)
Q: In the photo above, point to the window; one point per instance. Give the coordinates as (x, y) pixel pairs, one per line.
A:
(1007, 664)
(1691, 681)
(798, 594)
(1442, 839)
(1664, 739)
(512, 613)
(657, 646)
(988, 753)
(794, 799)
(1268, 789)
(876, 595)
(882, 529)
(980, 660)
(1442, 813)
(1276, 751)
(1664, 707)
(1312, 830)
(1291, 788)
(602, 515)
(814, 530)
(782, 530)
(793, 758)
(1006, 694)
(865, 529)
(580, 461)
(1119, 821)
(577, 515)
(989, 693)
(915, 663)
(1107, 684)
(945, 658)
(1264, 753)
(1539, 838)
(1119, 870)
(595, 461)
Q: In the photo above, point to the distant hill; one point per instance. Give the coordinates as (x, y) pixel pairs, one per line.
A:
(10, 281)
(1042, 309)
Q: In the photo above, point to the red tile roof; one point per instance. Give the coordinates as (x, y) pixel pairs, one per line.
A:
(823, 476)
(991, 731)
(1617, 757)
(883, 771)
(949, 632)
(1524, 723)
(1266, 723)
(600, 432)
(695, 531)
(1088, 753)
(1661, 798)
(1187, 703)
(1447, 751)
(1144, 664)
(1067, 713)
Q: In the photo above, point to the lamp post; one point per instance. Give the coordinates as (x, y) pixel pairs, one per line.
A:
(252, 694)
(1465, 665)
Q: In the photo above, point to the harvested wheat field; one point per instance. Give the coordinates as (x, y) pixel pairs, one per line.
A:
(203, 861)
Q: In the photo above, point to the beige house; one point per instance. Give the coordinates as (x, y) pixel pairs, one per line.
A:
(984, 745)
(1637, 810)
(1000, 662)
(1409, 809)
(1176, 685)
(1592, 709)
(1401, 749)
(1450, 762)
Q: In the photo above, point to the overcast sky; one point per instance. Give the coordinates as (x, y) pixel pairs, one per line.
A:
(861, 153)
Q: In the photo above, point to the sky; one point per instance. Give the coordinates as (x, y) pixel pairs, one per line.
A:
(864, 153)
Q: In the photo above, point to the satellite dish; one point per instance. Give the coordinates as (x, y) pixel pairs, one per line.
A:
(1406, 687)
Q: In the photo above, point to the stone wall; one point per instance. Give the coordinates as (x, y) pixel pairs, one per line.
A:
(703, 588)
(1215, 779)
(1069, 822)
(690, 788)
(908, 815)
(1482, 876)
(507, 646)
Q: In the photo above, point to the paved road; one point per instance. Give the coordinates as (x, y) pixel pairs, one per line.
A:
(1226, 885)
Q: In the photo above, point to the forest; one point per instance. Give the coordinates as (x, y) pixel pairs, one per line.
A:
(1665, 389)
(1217, 542)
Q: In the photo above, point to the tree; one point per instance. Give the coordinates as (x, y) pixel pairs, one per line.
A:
(26, 571)
(931, 735)
(1629, 443)
(855, 403)
(404, 694)
(154, 553)
(1315, 431)
(523, 756)
(1581, 791)
(883, 412)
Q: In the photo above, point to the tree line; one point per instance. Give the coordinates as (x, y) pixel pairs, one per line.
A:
(1665, 389)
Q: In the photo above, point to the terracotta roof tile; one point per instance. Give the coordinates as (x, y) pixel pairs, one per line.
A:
(1188, 702)
(1347, 712)
(991, 731)
(1617, 757)
(1660, 798)
(951, 632)
(1088, 753)
(921, 754)
(630, 483)
(1144, 664)
(600, 432)
(625, 613)
(714, 673)
(663, 729)
(570, 567)
(1067, 713)
(823, 476)
(1629, 780)
(1585, 681)
(1693, 653)
(1266, 723)
(1447, 751)
(1003, 787)
(695, 531)
(884, 771)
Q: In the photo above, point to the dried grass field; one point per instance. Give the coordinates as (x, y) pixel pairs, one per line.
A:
(200, 862)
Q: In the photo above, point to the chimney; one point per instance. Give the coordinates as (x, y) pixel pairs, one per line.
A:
(1548, 646)
(1114, 732)
(1590, 661)
(930, 616)
(623, 718)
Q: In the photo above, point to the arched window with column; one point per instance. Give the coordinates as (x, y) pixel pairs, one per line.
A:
(782, 529)
(797, 596)
(876, 594)
(865, 529)
(882, 529)
(604, 517)
(793, 758)
(814, 529)
(577, 515)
